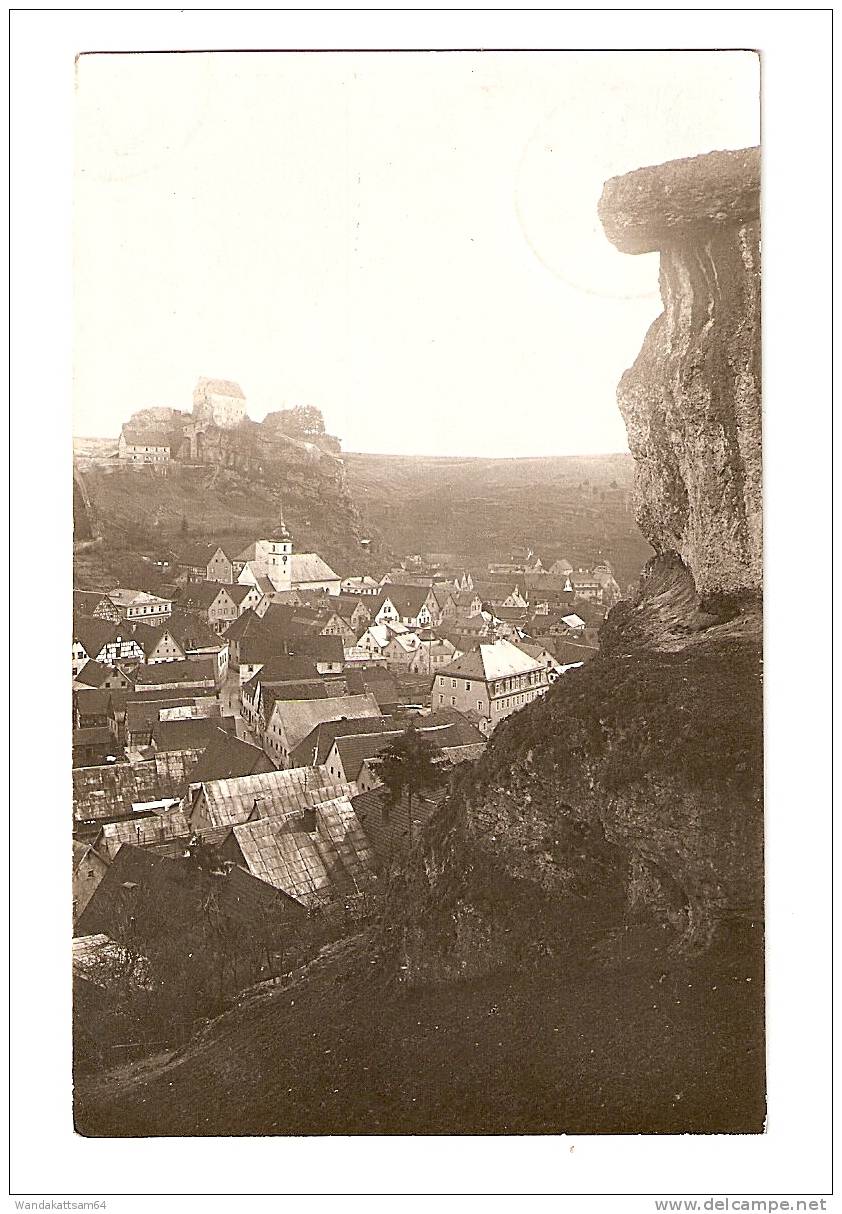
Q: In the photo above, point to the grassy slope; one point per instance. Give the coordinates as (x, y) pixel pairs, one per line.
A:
(647, 1043)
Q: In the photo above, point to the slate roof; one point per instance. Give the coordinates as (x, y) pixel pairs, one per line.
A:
(228, 802)
(336, 860)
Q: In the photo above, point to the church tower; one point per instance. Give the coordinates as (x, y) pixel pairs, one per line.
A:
(278, 555)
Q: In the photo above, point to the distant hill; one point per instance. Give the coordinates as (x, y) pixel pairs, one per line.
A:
(562, 506)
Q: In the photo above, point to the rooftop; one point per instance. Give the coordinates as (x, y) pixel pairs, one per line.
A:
(335, 860)
(268, 794)
(501, 660)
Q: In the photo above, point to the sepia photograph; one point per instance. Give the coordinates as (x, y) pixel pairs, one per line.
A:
(417, 747)
(418, 775)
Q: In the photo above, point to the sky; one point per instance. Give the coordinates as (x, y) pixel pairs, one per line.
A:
(408, 241)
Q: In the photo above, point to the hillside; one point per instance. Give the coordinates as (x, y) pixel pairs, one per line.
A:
(146, 511)
(576, 941)
(572, 507)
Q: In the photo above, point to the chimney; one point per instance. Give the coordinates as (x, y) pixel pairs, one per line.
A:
(309, 820)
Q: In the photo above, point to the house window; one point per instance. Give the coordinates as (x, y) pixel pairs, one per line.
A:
(453, 681)
(467, 685)
(453, 699)
(479, 705)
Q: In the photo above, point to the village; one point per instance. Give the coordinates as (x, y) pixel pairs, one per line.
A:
(233, 729)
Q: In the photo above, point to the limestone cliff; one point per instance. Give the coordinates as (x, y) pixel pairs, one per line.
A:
(633, 792)
(691, 402)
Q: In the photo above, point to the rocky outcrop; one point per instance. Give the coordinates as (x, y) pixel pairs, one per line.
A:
(691, 402)
(633, 791)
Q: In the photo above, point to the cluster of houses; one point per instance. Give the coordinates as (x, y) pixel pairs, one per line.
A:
(246, 710)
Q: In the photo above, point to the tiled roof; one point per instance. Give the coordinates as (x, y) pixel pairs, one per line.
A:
(225, 757)
(182, 889)
(334, 861)
(381, 683)
(228, 802)
(309, 567)
(94, 673)
(387, 826)
(315, 747)
(238, 592)
(498, 661)
(123, 597)
(298, 717)
(141, 713)
(193, 670)
(203, 594)
(146, 438)
(92, 701)
(156, 828)
(93, 633)
(463, 754)
(110, 791)
(466, 731)
(192, 734)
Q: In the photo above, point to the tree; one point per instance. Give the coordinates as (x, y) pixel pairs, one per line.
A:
(408, 765)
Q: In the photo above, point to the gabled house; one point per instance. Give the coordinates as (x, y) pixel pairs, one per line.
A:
(141, 446)
(377, 637)
(99, 640)
(490, 682)
(96, 604)
(318, 857)
(432, 654)
(313, 750)
(139, 606)
(196, 675)
(400, 650)
(412, 606)
(97, 674)
(335, 625)
(274, 794)
(361, 584)
(292, 720)
(445, 600)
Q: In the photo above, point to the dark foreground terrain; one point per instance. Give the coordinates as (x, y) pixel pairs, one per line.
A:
(640, 1041)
